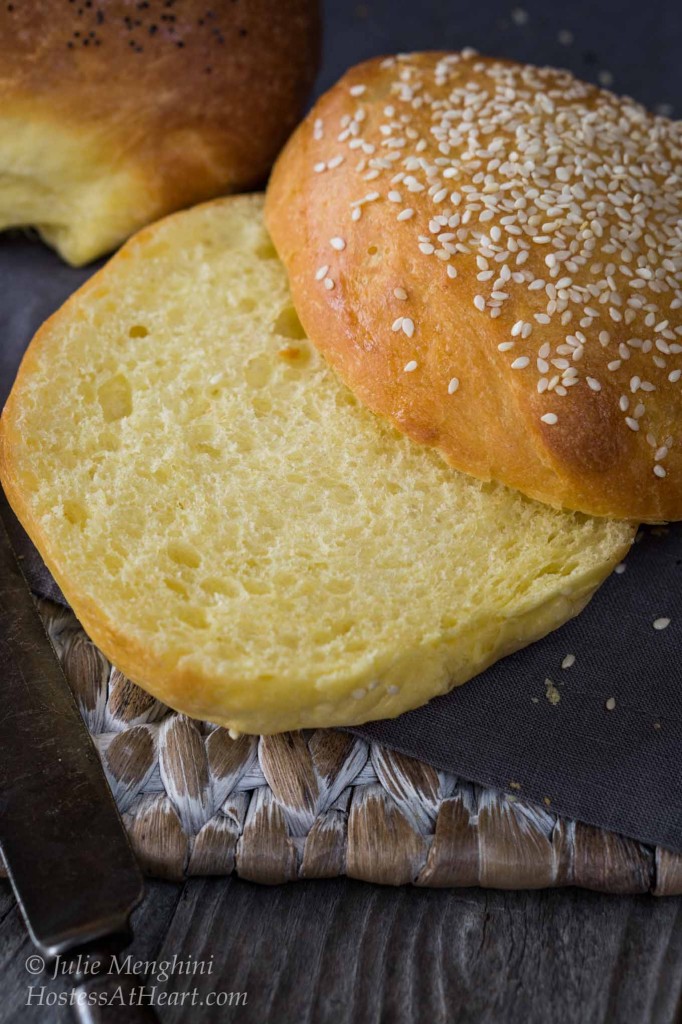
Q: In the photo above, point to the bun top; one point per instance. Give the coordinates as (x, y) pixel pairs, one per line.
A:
(115, 112)
(490, 254)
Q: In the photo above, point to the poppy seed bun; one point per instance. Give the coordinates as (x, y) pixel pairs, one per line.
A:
(490, 255)
(115, 112)
(234, 530)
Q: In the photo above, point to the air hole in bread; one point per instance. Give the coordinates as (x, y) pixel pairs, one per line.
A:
(221, 585)
(75, 512)
(177, 587)
(183, 554)
(255, 586)
(288, 325)
(116, 399)
(246, 305)
(372, 251)
(195, 617)
(258, 371)
(138, 331)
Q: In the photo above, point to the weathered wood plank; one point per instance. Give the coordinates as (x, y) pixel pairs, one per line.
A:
(345, 952)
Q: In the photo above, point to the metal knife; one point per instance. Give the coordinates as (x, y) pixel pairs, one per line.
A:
(63, 842)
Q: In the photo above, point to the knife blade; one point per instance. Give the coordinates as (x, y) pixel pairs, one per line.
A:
(63, 842)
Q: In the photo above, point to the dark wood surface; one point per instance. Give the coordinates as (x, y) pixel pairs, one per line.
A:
(343, 951)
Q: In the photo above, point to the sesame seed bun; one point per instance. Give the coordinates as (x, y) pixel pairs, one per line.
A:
(489, 254)
(113, 113)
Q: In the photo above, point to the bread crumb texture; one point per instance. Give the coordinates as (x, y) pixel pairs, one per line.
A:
(234, 530)
(502, 248)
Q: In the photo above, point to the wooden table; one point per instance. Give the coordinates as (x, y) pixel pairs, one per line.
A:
(343, 951)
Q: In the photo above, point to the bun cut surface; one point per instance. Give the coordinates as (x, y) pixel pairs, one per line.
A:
(114, 113)
(490, 255)
(234, 530)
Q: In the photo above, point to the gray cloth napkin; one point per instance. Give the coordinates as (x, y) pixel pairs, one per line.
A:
(601, 740)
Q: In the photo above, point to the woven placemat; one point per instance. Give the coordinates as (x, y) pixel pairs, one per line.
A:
(323, 803)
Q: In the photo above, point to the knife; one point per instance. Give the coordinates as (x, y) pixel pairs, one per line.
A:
(63, 842)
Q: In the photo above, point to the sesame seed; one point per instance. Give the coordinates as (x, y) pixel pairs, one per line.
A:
(620, 568)
(661, 623)
(397, 324)
(659, 470)
(411, 366)
(537, 159)
(328, 283)
(358, 694)
(549, 417)
(568, 661)
(453, 385)
(337, 243)
(610, 704)
(393, 690)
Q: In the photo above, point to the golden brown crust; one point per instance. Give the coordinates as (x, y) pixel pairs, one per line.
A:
(594, 209)
(193, 100)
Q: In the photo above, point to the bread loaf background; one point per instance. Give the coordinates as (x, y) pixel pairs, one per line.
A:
(490, 255)
(114, 112)
(234, 530)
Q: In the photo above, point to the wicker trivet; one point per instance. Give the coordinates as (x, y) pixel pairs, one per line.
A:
(323, 803)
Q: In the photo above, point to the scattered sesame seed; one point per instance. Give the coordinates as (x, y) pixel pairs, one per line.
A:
(337, 243)
(357, 90)
(400, 293)
(661, 623)
(565, 36)
(549, 417)
(479, 302)
(328, 283)
(519, 16)
(620, 568)
(408, 326)
(393, 690)
(397, 324)
(358, 694)
(632, 423)
(568, 661)
(592, 383)
(453, 385)
(610, 704)
(521, 363)
(411, 366)
(659, 470)
(605, 78)
(405, 214)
